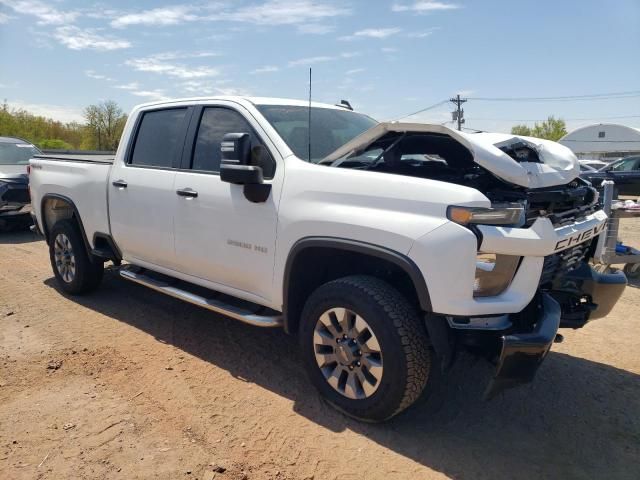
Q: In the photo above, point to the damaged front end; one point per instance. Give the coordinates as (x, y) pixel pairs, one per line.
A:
(533, 241)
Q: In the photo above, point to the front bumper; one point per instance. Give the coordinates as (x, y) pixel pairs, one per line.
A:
(448, 254)
(522, 353)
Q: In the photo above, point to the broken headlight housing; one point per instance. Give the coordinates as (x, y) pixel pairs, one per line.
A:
(494, 273)
(509, 214)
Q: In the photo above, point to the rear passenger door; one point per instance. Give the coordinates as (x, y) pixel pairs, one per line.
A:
(141, 194)
(220, 236)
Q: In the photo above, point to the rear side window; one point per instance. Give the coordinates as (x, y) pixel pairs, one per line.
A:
(216, 122)
(626, 165)
(159, 138)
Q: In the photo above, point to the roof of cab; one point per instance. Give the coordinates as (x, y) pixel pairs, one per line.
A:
(13, 140)
(242, 99)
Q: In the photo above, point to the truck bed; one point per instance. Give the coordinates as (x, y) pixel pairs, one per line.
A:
(78, 157)
(78, 179)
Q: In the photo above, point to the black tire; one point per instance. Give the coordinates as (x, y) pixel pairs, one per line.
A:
(402, 338)
(88, 269)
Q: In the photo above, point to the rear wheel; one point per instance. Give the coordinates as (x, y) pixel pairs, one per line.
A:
(76, 271)
(364, 347)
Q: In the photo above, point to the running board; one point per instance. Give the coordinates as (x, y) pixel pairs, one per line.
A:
(217, 306)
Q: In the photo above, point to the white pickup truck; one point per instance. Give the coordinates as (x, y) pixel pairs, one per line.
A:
(385, 247)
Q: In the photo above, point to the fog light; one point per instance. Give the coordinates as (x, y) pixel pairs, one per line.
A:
(494, 273)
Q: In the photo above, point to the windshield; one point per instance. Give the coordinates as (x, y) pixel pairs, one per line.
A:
(330, 128)
(16, 153)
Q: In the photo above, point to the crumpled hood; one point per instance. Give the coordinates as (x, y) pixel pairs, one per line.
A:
(558, 165)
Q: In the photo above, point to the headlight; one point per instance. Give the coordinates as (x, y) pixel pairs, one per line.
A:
(494, 273)
(509, 214)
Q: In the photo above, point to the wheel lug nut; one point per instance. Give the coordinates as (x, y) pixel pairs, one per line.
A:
(350, 367)
(338, 340)
(358, 364)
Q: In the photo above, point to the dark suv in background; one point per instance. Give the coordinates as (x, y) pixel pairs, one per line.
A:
(15, 204)
(624, 172)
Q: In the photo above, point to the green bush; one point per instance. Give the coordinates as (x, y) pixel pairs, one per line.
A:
(54, 144)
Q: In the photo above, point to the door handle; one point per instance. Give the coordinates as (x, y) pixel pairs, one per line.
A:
(119, 183)
(187, 192)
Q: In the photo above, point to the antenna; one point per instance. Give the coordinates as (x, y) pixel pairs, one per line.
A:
(309, 120)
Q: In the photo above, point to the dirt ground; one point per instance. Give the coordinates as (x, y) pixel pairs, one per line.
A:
(127, 383)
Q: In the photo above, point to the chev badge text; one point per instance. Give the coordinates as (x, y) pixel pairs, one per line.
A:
(580, 237)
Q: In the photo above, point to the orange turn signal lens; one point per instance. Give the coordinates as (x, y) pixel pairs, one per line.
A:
(460, 215)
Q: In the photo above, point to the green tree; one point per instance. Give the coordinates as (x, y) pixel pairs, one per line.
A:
(521, 130)
(36, 129)
(105, 122)
(551, 129)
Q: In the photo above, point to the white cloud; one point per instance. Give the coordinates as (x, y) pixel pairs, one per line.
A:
(157, 95)
(321, 59)
(97, 76)
(4, 18)
(46, 14)
(266, 69)
(232, 91)
(198, 87)
(77, 38)
(353, 71)
(316, 28)
(62, 113)
(128, 86)
(286, 12)
(305, 13)
(373, 33)
(388, 49)
(163, 16)
(182, 55)
(159, 64)
(424, 34)
(423, 6)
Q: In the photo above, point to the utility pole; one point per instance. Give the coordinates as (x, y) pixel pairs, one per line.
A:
(458, 114)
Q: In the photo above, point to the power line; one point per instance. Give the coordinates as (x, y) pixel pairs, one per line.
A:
(430, 107)
(560, 118)
(592, 96)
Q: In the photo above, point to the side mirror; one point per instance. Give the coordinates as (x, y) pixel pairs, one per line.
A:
(235, 166)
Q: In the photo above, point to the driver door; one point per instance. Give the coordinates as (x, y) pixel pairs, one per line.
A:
(220, 236)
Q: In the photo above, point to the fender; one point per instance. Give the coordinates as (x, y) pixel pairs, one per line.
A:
(398, 259)
(76, 214)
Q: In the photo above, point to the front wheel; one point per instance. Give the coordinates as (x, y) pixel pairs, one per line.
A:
(364, 347)
(75, 269)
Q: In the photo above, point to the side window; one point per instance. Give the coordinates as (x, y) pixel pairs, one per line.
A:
(626, 165)
(216, 122)
(159, 138)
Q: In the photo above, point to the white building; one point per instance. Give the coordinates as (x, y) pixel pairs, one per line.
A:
(606, 141)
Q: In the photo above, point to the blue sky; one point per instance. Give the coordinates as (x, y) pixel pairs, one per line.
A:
(388, 58)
